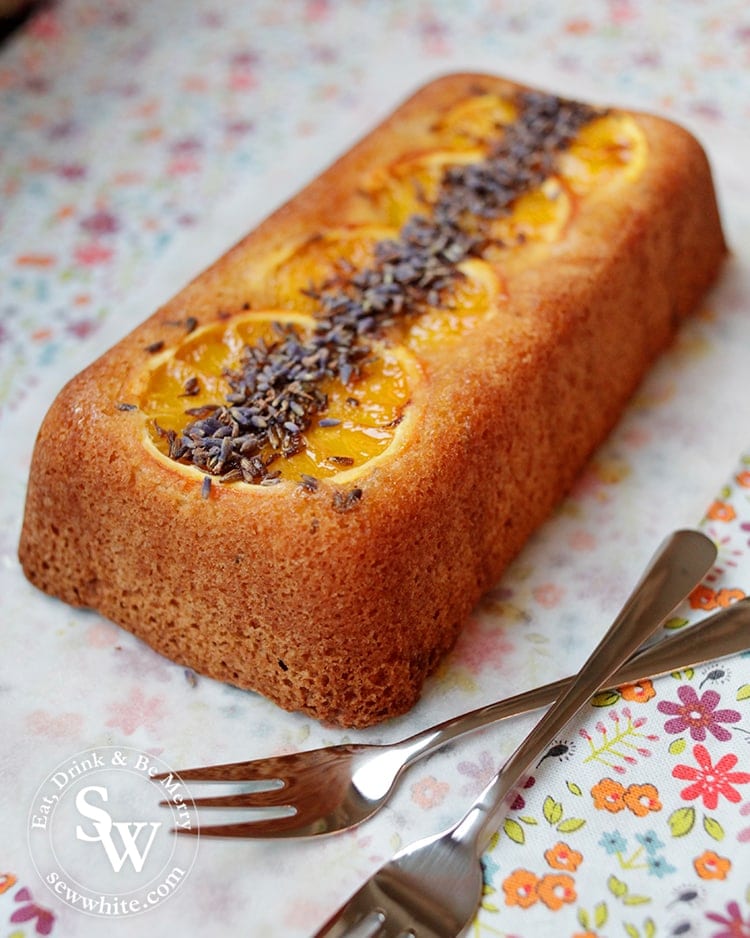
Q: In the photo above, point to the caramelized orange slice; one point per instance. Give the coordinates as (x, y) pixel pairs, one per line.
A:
(537, 216)
(409, 185)
(361, 421)
(286, 280)
(474, 298)
(609, 145)
(476, 120)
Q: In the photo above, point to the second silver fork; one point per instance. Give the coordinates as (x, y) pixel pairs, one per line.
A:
(432, 888)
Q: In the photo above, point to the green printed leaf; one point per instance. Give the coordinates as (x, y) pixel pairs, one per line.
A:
(631, 930)
(635, 900)
(605, 698)
(617, 887)
(527, 819)
(678, 622)
(514, 830)
(583, 919)
(537, 638)
(744, 692)
(713, 828)
(681, 821)
(677, 746)
(686, 673)
(649, 928)
(574, 789)
(552, 810)
(600, 914)
(571, 824)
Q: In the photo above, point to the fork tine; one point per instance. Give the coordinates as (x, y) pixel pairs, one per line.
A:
(278, 827)
(268, 798)
(254, 770)
(357, 917)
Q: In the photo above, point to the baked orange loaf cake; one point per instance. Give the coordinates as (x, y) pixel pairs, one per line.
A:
(301, 473)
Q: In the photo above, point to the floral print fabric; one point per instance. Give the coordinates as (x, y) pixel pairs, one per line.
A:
(138, 142)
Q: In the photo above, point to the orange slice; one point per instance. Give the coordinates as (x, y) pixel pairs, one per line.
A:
(539, 215)
(324, 258)
(474, 298)
(361, 421)
(610, 145)
(409, 185)
(475, 121)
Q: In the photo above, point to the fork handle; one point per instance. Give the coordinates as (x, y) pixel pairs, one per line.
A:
(659, 591)
(658, 658)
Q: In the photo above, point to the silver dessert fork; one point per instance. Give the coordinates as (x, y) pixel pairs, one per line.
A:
(432, 888)
(333, 788)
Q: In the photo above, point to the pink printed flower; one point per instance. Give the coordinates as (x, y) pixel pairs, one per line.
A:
(480, 772)
(478, 648)
(697, 714)
(91, 254)
(734, 925)
(135, 712)
(30, 911)
(711, 781)
(100, 222)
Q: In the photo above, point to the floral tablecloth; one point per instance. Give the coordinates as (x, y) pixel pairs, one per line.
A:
(137, 142)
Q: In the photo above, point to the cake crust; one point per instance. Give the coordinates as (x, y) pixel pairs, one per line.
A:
(339, 600)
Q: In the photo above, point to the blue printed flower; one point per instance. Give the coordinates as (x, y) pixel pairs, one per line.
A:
(613, 842)
(650, 841)
(658, 866)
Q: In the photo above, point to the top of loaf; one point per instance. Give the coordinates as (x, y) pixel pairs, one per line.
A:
(312, 377)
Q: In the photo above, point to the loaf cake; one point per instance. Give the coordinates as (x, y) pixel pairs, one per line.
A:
(301, 473)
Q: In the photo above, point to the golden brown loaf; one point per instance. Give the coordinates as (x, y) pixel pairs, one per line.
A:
(301, 473)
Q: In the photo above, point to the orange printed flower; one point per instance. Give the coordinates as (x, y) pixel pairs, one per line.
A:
(639, 692)
(703, 597)
(725, 597)
(429, 792)
(556, 890)
(721, 511)
(710, 865)
(608, 795)
(743, 478)
(641, 799)
(7, 881)
(520, 888)
(562, 857)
